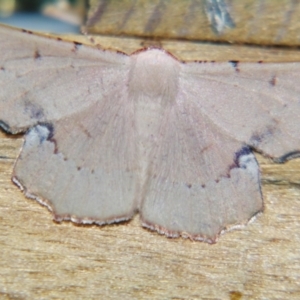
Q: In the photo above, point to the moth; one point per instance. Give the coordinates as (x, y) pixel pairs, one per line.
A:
(108, 135)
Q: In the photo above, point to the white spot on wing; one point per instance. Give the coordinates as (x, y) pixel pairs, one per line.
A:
(248, 161)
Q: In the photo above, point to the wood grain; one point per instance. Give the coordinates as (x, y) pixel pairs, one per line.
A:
(41, 259)
(265, 22)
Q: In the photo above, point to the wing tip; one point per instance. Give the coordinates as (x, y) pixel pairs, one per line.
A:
(288, 156)
(12, 129)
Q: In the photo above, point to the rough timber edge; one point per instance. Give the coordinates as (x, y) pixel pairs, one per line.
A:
(71, 39)
(184, 51)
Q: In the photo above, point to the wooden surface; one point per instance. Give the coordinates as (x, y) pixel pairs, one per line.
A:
(266, 22)
(40, 259)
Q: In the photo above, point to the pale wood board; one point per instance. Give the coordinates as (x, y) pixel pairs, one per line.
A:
(40, 259)
(265, 22)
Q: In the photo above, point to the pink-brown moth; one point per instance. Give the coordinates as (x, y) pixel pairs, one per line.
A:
(109, 135)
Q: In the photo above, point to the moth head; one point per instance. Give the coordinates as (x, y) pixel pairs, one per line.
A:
(154, 73)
